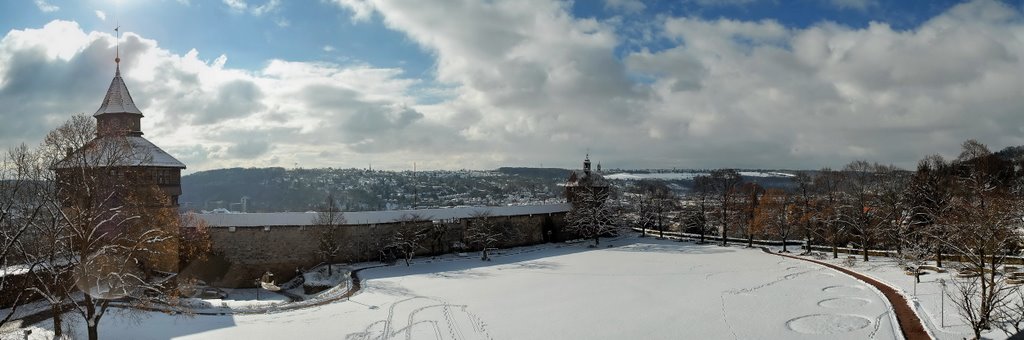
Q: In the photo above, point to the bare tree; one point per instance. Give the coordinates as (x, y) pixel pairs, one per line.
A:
(1010, 317)
(695, 216)
(408, 234)
(774, 213)
(654, 202)
(857, 211)
(726, 183)
(644, 209)
(437, 233)
(804, 208)
(119, 226)
(484, 233)
(929, 196)
(21, 186)
(986, 214)
(828, 187)
(890, 201)
(913, 256)
(329, 218)
(593, 215)
(749, 199)
(194, 240)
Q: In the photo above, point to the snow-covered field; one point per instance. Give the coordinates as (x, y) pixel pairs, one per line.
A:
(641, 288)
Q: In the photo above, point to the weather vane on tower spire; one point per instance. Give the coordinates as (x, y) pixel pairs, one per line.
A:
(117, 45)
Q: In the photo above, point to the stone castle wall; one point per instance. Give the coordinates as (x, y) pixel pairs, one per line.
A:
(241, 254)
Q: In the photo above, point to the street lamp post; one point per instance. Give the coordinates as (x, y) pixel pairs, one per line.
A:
(942, 304)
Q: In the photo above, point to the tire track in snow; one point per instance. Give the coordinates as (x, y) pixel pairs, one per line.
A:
(787, 277)
(444, 311)
(878, 324)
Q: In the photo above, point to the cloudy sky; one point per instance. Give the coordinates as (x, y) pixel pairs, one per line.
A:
(480, 84)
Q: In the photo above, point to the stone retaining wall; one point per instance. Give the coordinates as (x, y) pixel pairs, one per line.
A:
(241, 254)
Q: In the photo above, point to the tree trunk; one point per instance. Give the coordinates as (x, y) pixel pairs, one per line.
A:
(92, 321)
(58, 327)
(93, 332)
(938, 257)
(750, 240)
(835, 250)
(330, 270)
(784, 245)
(865, 251)
(725, 232)
(702, 235)
(597, 240)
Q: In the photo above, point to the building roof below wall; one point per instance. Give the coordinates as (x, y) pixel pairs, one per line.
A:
(375, 217)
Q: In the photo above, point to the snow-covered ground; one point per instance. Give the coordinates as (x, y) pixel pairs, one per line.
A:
(641, 288)
(928, 296)
(664, 176)
(246, 298)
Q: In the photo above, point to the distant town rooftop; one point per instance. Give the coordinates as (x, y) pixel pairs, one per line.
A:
(375, 217)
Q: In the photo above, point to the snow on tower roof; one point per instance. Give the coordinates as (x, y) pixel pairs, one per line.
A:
(117, 100)
(148, 154)
(113, 151)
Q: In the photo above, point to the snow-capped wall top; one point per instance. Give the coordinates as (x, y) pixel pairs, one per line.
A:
(374, 217)
(117, 100)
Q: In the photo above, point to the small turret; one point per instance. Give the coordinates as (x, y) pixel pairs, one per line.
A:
(586, 165)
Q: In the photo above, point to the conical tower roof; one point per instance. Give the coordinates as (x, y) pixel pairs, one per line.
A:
(117, 100)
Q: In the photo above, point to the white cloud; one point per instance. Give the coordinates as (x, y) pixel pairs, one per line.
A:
(859, 5)
(101, 15)
(267, 7)
(631, 6)
(713, 3)
(210, 114)
(361, 9)
(528, 76)
(242, 6)
(328, 48)
(525, 82)
(46, 7)
(827, 94)
(237, 5)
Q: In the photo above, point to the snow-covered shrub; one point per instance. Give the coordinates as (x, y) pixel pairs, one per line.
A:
(317, 280)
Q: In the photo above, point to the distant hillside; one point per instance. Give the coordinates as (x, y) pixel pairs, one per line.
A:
(547, 173)
(279, 189)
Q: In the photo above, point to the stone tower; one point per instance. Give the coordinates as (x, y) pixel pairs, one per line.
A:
(583, 181)
(119, 117)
